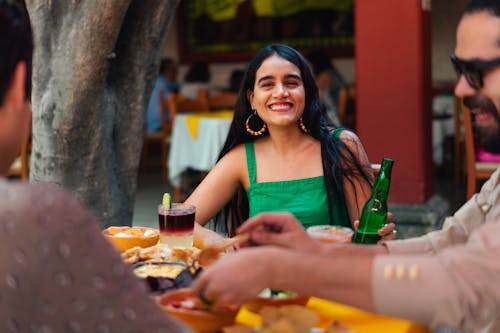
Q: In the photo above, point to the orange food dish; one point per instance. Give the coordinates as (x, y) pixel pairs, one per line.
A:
(187, 307)
(331, 233)
(124, 238)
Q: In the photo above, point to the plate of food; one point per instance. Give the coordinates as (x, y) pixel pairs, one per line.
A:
(190, 309)
(163, 276)
(287, 319)
(124, 238)
(160, 253)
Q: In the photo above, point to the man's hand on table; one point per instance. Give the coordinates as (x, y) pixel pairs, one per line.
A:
(236, 278)
(203, 237)
(281, 229)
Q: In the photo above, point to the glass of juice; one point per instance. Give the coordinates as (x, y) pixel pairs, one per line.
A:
(331, 233)
(176, 224)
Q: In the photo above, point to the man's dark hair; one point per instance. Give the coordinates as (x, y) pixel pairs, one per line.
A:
(320, 62)
(165, 64)
(198, 72)
(492, 6)
(16, 43)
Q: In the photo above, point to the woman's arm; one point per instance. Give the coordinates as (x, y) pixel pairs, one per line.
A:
(356, 193)
(216, 189)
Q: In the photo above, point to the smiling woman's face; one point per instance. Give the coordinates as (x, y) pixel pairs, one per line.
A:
(278, 94)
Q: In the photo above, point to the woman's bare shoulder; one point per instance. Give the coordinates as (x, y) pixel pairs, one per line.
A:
(236, 153)
(234, 161)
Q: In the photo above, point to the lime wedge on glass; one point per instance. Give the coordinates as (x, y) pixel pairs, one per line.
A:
(167, 201)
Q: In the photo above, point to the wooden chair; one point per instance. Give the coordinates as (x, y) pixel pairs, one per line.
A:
(20, 166)
(178, 103)
(220, 101)
(345, 94)
(475, 170)
(158, 138)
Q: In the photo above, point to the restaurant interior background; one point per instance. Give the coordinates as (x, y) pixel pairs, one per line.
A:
(445, 16)
(416, 218)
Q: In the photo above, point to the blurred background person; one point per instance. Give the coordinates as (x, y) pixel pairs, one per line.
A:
(235, 80)
(164, 85)
(329, 82)
(197, 77)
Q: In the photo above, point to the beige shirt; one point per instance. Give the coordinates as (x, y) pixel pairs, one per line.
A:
(456, 283)
(58, 274)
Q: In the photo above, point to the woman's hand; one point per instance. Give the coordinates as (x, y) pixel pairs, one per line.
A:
(387, 232)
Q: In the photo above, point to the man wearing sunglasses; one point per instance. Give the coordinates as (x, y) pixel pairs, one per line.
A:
(447, 278)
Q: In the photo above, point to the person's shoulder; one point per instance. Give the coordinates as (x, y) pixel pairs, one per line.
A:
(43, 210)
(237, 152)
(19, 196)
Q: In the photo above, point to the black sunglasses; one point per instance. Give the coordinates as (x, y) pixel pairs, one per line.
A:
(473, 70)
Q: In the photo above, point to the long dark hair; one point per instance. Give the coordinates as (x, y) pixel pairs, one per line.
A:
(16, 44)
(338, 160)
(491, 6)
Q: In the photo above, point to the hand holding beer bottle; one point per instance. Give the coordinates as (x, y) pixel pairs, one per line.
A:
(374, 213)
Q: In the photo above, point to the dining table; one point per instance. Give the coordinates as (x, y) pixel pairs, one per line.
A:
(196, 141)
(357, 320)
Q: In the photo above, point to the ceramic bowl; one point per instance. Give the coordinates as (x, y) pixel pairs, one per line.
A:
(186, 306)
(124, 238)
(331, 233)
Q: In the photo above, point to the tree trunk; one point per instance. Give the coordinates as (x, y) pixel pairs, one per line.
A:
(94, 67)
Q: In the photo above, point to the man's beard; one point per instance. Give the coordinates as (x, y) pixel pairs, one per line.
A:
(489, 137)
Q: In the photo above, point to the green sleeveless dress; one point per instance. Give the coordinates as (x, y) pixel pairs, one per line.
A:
(305, 198)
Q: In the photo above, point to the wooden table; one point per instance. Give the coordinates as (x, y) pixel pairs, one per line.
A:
(357, 320)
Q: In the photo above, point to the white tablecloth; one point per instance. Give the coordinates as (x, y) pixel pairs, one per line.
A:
(198, 153)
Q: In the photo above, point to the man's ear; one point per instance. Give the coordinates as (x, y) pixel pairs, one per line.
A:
(16, 92)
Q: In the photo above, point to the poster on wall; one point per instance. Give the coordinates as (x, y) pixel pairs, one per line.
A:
(232, 30)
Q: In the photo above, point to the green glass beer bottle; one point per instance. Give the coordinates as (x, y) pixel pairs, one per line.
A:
(374, 212)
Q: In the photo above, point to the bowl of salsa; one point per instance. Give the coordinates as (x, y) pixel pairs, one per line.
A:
(186, 306)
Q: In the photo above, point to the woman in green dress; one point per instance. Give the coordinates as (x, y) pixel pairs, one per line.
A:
(282, 154)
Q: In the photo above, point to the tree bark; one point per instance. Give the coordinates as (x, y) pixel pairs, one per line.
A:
(94, 66)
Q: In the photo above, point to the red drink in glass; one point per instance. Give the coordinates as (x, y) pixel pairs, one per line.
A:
(176, 225)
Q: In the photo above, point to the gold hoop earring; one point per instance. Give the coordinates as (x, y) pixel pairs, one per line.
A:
(302, 126)
(251, 131)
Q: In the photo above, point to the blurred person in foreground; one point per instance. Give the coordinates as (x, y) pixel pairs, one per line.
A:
(57, 272)
(446, 278)
(164, 85)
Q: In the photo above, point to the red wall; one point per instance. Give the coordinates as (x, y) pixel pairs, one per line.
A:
(393, 85)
